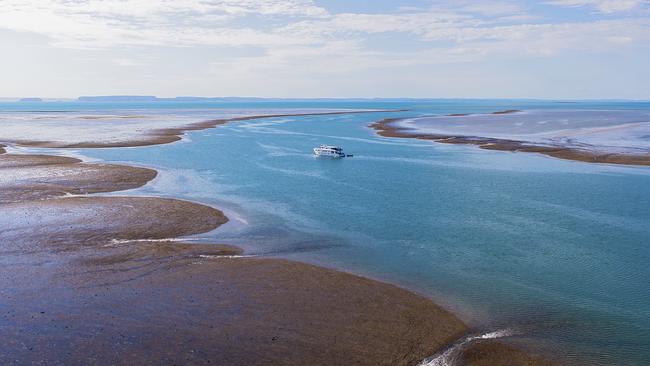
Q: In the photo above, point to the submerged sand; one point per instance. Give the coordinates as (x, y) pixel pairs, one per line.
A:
(106, 280)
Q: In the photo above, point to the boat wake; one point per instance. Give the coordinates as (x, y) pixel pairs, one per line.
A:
(450, 355)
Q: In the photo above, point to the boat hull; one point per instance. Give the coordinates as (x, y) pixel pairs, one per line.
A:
(327, 154)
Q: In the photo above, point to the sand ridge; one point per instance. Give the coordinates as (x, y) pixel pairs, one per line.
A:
(30, 177)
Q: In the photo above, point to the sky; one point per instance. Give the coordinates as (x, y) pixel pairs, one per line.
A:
(557, 49)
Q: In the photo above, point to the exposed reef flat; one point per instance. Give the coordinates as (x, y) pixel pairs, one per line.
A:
(616, 143)
(103, 131)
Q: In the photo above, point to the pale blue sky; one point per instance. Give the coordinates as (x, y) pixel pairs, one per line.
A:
(571, 49)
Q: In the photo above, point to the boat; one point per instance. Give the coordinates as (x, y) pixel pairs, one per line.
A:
(330, 151)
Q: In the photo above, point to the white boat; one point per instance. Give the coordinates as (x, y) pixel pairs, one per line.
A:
(329, 151)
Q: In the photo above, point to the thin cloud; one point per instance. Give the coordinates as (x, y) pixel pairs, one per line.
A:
(604, 6)
(299, 40)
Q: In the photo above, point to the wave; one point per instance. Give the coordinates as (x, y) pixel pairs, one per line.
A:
(450, 355)
(217, 256)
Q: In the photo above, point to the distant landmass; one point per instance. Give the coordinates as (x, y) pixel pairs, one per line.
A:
(118, 98)
(30, 100)
(151, 98)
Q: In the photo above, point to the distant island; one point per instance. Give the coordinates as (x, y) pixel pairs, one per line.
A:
(151, 98)
(30, 100)
(118, 98)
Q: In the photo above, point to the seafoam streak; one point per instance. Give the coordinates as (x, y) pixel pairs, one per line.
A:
(450, 355)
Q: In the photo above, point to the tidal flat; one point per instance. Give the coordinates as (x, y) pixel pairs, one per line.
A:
(592, 136)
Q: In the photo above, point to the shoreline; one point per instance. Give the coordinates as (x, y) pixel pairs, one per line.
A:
(102, 250)
(387, 128)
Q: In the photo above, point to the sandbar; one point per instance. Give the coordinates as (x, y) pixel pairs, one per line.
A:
(29, 177)
(390, 128)
(145, 134)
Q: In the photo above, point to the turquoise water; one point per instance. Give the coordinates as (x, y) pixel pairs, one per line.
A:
(556, 251)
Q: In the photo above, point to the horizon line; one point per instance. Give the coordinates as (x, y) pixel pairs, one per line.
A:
(189, 98)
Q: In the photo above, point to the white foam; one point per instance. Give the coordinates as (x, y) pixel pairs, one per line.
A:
(116, 242)
(449, 356)
(239, 218)
(217, 256)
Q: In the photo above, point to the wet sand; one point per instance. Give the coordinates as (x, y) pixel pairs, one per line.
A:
(491, 353)
(104, 280)
(158, 308)
(70, 222)
(30, 177)
(507, 111)
(388, 128)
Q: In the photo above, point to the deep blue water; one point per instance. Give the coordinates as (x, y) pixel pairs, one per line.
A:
(558, 251)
